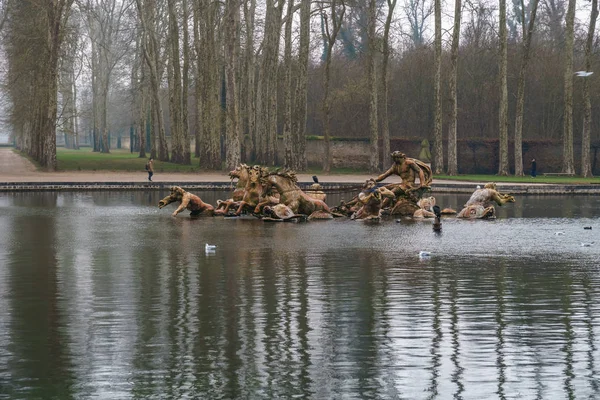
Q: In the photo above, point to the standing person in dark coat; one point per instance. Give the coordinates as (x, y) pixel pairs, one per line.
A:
(150, 168)
(533, 168)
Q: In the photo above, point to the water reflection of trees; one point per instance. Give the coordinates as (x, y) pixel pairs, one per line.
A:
(40, 363)
(270, 316)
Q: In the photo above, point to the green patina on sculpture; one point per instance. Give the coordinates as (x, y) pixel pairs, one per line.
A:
(425, 153)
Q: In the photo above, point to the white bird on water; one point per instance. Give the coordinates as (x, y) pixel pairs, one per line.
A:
(210, 247)
(583, 73)
(584, 244)
(424, 254)
(559, 233)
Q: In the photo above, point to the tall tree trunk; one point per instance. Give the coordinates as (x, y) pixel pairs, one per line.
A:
(174, 79)
(75, 113)
(209, 79)
(269, 82)
(57, 16)
(232, 16)
(199, 82)
(66, 89)
(438, 148)
(452, 153)
(250, 98)
(301, 93)
(385, 123)
(568, 161)
(95, 91)
(104, 113)
(215, 76)
(151, 49)
(289, 156)
(372, 74)
(586, 166)
(503, 112)
(330, 36)
(521, 86)
(185, 126)
(138, 94)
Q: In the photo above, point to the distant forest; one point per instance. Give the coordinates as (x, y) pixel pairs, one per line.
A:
(236, 75)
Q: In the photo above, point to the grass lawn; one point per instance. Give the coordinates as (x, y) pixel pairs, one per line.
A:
(572, 180)
(117, 160)
(122, 160)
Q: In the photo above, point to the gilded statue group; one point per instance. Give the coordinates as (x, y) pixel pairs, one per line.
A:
(276, 196)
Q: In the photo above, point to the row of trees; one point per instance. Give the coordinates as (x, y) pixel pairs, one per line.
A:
(232, 76)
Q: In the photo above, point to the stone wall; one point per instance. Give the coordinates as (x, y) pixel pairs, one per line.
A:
(474, 156)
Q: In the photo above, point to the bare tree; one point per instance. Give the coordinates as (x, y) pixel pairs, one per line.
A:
(35, 35)
(372, 74)
(151, 51)
(452, 152)
(180, 144)
(110, 43)
(67, 88)
(337, 10)
(138, 96)
(385, 123)
(586, 167)
(417, 13)
(551, 18)
(438, 148)
(206, 38)
(300, 98)
(185, 85)
(266, 123)
(249, 83)
(288, 159)
(503, 112)
(526, 45)
(568, 162)
(232, 16)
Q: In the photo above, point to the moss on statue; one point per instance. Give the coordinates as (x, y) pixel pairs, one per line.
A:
(425, 153)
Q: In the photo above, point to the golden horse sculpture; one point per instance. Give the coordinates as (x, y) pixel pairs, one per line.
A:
(242, 174)
(292, 196)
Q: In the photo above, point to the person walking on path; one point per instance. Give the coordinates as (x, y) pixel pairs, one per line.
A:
(533, 168)
(150, 168)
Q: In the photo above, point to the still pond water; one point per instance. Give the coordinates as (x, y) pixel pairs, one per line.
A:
(104, 296)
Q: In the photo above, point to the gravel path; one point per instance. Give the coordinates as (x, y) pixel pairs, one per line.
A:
(15, 168)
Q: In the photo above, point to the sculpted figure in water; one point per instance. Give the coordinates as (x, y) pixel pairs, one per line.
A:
(188, 201)
(481, 203)
(371, 198)
(407, 193)
(408, 169)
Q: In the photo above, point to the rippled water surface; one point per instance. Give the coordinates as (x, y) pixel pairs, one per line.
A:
(102, 295)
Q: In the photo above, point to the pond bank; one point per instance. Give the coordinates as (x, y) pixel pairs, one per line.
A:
(329, 186)
(18, 174)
